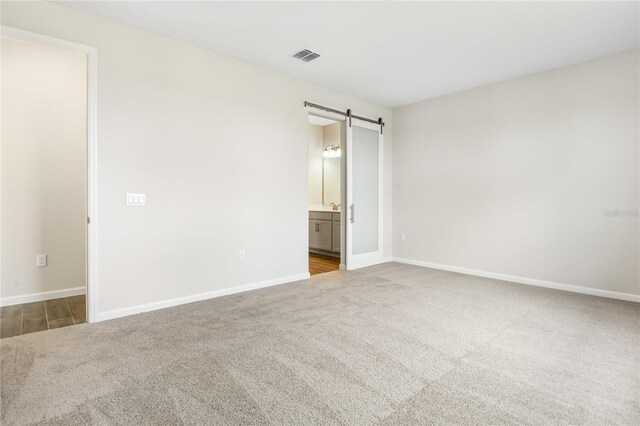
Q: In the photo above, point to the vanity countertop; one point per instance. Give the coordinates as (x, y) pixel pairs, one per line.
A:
(320, 208)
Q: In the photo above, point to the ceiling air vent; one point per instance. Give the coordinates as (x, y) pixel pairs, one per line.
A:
(306, 55)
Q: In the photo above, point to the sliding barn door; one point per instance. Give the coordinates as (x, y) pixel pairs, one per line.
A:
(364, 194)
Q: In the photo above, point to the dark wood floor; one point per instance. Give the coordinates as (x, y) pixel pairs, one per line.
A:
(39, 316)
(319, 264)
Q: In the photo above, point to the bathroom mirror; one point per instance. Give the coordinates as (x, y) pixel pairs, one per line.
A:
(331, 180)
(325, 140)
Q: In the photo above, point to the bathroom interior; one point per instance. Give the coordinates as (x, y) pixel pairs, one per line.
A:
(325, 194)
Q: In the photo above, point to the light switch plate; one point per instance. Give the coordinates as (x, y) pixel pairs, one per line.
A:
(136, 200)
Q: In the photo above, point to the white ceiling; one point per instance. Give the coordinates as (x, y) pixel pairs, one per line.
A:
(393, 53)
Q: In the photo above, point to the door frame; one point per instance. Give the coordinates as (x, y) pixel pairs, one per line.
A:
(346, 262)
(92, 153)
(343, 188)
(375, 257)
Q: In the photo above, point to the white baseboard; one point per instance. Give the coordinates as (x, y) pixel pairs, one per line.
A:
(45, 295)
(147, 307)
(522, 280)
(371, 261)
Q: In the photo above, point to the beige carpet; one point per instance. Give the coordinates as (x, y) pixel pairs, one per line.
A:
(391, 344)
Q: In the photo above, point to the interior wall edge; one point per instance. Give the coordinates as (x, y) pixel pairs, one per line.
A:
(524, 280)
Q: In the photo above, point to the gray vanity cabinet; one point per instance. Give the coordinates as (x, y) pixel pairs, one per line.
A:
(320, 230)
(324, 231)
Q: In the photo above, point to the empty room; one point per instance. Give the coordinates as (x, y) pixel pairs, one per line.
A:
(319, 213)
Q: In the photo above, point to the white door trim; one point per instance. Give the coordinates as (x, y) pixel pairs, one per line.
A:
(372, 258)
(92, 151)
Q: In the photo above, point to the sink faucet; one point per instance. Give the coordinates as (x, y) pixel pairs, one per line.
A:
(335, 206)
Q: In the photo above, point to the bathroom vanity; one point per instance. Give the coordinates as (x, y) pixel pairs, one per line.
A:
(324, 231)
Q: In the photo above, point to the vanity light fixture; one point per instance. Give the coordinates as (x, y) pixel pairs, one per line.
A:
(332, 151)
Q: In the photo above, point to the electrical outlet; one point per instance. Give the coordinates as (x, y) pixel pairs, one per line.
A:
(41, 260)
(403, 237)
(241, 255)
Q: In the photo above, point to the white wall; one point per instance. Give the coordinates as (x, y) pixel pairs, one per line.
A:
(218, 145)
(43, 143)
(331, 134)
(515, 178)
(316, 148)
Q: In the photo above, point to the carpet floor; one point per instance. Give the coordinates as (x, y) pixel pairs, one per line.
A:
(389, 344)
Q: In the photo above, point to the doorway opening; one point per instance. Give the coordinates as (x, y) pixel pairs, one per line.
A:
(353, 229)
(47, 180)
(326, 193)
